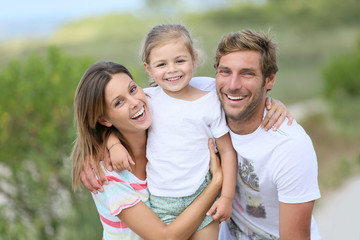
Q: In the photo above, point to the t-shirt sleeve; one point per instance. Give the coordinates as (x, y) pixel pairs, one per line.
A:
(204, 83)
(296, 171)
(218, 124)
(118, 195)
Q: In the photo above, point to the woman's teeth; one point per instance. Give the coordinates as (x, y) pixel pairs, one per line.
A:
(139, 113)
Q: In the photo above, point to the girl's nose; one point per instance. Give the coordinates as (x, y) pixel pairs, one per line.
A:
(171, 67)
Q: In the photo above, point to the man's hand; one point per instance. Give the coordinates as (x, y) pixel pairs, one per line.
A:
(90, 171)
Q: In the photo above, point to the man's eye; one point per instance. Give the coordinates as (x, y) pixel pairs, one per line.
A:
(224, 72)
(248, 74)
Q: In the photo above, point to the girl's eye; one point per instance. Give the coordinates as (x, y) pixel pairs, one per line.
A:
(180, 61)
(160, 65)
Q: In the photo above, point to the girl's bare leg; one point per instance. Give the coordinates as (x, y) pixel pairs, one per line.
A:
(210, 232)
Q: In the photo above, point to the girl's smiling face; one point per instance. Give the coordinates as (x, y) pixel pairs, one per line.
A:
(171, 66)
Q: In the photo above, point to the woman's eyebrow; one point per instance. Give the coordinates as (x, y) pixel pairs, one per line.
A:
(115, 98)
(118, 96)
(130, 83)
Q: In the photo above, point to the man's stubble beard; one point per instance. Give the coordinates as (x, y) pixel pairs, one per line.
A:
(248, 112)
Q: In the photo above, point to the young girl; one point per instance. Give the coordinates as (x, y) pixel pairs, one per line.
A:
(184, 118)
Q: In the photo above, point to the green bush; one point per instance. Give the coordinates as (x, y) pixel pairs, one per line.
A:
(342, 89)
(36, 135)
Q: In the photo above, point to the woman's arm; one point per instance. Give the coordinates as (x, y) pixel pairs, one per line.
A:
(144, 222)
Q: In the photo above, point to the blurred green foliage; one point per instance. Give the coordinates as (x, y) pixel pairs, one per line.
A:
(37, 130)
(342, 88)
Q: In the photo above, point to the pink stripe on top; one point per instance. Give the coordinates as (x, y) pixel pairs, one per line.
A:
(112, 224)
(138, 186)
(111, 178)
(123, 206)
(115, 179)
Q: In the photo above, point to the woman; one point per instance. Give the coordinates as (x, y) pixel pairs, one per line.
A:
(107, 101)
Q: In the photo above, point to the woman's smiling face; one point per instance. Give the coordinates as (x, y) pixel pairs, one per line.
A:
(126, 105)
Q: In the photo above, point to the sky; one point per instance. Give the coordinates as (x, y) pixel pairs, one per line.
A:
(35, 9)
(39, 17)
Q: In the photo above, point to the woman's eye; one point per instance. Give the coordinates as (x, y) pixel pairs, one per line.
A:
(133, 89)
(118, 103)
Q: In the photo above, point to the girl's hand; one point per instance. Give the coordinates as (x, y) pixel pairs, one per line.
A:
(276, 115)
(120, 158)
(221, 209)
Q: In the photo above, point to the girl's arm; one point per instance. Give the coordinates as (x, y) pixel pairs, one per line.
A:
(223, 205)
(277, 112)
(144, 222)
(120, 157)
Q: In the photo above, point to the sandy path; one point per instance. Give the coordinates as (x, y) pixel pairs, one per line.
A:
(338, 213)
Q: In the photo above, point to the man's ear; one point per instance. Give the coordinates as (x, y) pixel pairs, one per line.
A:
(104, 121)
(270, 81)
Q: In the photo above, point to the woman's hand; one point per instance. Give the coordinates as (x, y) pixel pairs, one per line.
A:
(215, 167)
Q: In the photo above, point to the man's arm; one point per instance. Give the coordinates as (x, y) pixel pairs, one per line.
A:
(295, 220)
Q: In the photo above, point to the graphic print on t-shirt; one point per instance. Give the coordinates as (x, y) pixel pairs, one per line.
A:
(250, 183)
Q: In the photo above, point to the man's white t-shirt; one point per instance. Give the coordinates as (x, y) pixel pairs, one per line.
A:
(177, 143)
(272, 167)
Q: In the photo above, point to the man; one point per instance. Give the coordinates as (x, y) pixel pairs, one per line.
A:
(277, 170)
